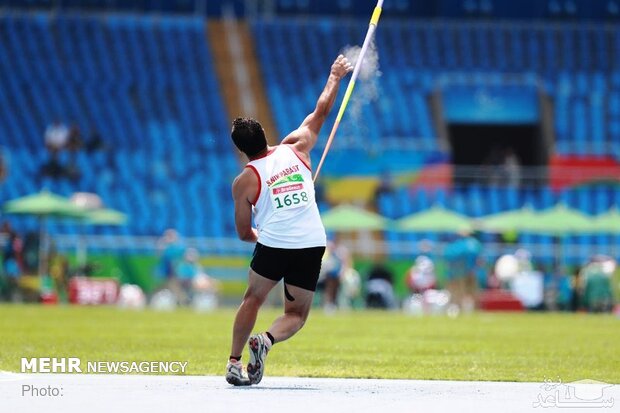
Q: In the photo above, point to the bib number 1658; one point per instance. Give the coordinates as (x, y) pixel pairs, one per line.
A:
(288, 200)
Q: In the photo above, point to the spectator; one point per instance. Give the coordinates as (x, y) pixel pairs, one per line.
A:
(56, 137)
(59, 273)
(462, 256)
(12, 264)
(191, 285)
(511, 168)
(171, 251)
(597, 295)
(385, 187)
(421, 275)
(350, 281)
(31, 252)
(577, 289)
(189, 266)
(74, 144)
(564, 291)
(482, 273)
(335, 260)
(491, 167)
(56, 140)
(380, 288)
(74, 139)
(186, 270)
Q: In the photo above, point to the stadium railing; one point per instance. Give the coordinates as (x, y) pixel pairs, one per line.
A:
(361, 247)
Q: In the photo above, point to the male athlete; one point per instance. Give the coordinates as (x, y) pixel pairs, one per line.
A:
(276, 187)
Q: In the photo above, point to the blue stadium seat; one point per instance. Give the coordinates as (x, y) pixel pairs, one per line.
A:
(141, 82)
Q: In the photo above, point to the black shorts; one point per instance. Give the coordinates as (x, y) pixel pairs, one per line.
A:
(299, 267)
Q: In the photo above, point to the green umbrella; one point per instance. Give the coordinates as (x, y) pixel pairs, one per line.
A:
(350, 218)
(608, 222)
(435, 219)
(561, 220)
(515, 220)
(557, 221)
(43, 205)
(105, 217)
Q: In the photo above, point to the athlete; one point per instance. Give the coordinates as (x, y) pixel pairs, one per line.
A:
(276, 188)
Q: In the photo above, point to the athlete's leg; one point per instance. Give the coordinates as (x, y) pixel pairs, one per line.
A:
(305, 264)
(296, 310)
(255, 295)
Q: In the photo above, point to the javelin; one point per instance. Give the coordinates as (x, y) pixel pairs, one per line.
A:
(374, 20)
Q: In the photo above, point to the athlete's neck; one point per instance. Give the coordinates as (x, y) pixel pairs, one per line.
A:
(261, 154)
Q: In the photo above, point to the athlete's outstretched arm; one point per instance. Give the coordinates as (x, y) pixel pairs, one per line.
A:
(304, 137)
(243, 187)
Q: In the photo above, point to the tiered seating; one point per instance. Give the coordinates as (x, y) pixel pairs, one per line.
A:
(295, 58)
(147, 85)
(578, 66)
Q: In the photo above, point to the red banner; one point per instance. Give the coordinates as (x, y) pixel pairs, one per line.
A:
(568, 171)
(93, 291)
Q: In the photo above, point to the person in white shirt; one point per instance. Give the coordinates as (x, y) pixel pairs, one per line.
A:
(56, 137)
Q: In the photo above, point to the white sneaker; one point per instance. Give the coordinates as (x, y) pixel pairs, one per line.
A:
(235, 374)
(259, 345)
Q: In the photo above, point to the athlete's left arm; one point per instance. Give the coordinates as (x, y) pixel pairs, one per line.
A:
(242, 190)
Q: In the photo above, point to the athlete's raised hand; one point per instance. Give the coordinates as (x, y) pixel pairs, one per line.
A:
(341, 67)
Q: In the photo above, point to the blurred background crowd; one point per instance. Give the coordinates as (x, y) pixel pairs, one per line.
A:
(478, 166)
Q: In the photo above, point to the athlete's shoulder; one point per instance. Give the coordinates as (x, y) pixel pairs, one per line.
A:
(244, 178)
(245, 183)
(301, 155)
(247, 175)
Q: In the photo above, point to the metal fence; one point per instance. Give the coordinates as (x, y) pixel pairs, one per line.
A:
(362, 245)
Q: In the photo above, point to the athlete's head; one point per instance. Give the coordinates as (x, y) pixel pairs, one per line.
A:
(249, 136)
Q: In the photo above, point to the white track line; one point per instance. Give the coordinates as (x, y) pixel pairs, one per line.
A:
(133, 393)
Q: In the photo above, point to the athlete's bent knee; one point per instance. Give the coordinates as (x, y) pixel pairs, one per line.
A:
(301, 317)
(252, 300)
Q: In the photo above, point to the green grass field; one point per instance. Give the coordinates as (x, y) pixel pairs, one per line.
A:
(483, 346)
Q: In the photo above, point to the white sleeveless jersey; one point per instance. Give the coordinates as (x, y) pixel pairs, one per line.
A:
(285, 210)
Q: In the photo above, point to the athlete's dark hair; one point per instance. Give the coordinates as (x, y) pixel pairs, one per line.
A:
(249, 136)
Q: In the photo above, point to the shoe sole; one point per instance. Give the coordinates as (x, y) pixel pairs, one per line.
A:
(235, 381)
(255, 367)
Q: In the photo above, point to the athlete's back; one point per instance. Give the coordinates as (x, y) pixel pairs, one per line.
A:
(285, 210)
